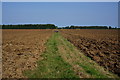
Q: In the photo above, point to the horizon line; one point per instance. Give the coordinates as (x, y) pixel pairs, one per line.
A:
(54, 24)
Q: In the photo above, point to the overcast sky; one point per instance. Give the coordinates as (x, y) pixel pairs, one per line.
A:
(61, 13)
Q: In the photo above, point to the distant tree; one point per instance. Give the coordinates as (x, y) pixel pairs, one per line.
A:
(72, 27)
(110, 27)
(30, 26)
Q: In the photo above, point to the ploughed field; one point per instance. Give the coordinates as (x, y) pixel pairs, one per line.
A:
(47, 53)
(21, 49)
(102, 46)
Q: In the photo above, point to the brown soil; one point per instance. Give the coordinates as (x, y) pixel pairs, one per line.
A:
(0, 54)
(21, 49)
(102, 46)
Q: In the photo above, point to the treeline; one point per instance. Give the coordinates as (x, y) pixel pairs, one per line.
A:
(52, 26)
(87, 27)
(30, 26)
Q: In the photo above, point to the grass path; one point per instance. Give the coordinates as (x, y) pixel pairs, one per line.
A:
(62, 60)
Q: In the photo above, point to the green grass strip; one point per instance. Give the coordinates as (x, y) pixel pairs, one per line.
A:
(52, 64)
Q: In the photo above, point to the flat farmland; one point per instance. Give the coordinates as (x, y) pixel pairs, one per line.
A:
(60, 53)
(102, 46)
(21, 49)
